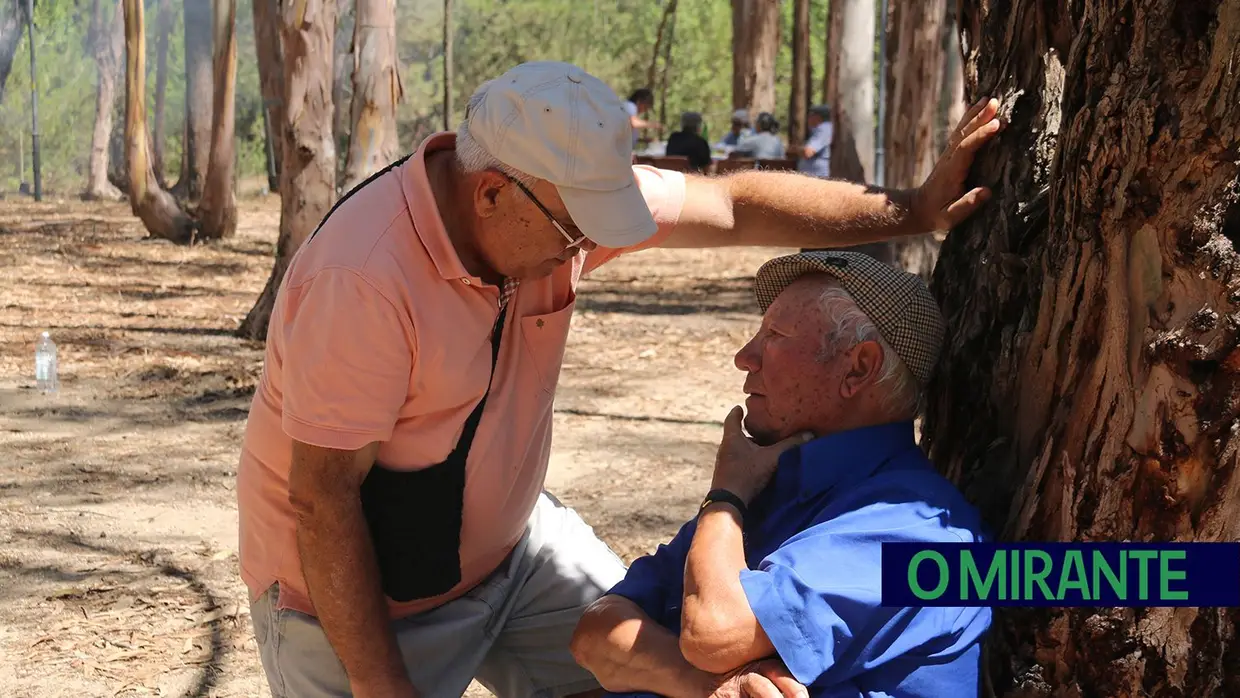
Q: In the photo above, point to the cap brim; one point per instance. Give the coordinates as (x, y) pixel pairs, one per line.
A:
(617, 218)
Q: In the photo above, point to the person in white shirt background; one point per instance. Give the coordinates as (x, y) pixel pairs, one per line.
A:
(638, 103)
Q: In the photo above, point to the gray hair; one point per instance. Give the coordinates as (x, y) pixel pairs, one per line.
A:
(851, 326)
(470, 154)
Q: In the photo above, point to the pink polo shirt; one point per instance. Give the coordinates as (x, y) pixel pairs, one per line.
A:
(380, 334)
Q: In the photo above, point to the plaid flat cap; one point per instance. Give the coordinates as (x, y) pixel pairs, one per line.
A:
(898, 302)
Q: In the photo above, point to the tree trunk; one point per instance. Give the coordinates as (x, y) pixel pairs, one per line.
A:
(798, 101)
(157, 209)
(1088, 384)
(271, 80)
(852, 104)
(831, 53)
(448, 75)
(376, 91)
(755, 45)
(218, 210)
(913, 113)
(162, 33)
(952, 106)
(12, 25)
(199, 99)
(107, 39)
(308, 173)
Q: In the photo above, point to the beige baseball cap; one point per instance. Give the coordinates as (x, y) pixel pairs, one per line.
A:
(899, 303)
(556, 122)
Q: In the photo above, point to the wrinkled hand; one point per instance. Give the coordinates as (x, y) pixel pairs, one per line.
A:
(938, 203)
(765, 678)
(742, 466)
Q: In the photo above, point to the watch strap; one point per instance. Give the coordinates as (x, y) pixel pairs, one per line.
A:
(722, 496)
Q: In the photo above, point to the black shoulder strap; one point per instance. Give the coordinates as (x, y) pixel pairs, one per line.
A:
(471, 424)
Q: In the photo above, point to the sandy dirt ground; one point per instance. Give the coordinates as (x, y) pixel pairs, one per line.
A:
(118, 545)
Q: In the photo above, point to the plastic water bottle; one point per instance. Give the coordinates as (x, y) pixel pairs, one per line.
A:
(45, 365)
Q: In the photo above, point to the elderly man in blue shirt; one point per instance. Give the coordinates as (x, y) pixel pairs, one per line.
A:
(815, 155)
(774, 588)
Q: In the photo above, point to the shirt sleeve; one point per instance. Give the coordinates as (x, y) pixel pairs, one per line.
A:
(653, 578)
(664, 191)
(820, 139)
(347, 361)
(819, 600)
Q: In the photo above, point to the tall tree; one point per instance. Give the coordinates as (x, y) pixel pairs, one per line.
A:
(163, 32)
(913, 112)
(308, 172)
(951, 102)
(798, 101)
(106, 39)
(12, 21)
(376, 91)
(755, 45)
(851, 59)
(1088, 384)
(218, 209)
(448, 73)
(199, 99)
(157, 209)
(271, 79)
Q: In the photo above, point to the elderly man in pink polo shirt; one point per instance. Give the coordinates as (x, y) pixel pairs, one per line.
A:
(395, 536)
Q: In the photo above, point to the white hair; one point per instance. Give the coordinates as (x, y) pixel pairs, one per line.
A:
(901, 397)
(470, 154)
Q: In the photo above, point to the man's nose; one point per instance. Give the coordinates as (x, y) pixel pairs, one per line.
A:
(747, 359)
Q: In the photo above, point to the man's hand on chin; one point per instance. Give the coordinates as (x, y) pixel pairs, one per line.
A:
(940, 202)
(765, 678)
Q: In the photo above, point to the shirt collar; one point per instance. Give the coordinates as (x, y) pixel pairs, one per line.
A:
(841, 459)
(425, 212)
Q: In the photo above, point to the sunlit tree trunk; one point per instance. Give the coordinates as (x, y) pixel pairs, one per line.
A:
(755, 45)
(376, 91)
(218, 209)
(308, 172)
(852, 103)
(162, 33)
(107, 39)
(1088, 388)
(12, 25)
(199, 99)
(157, 209)
(267, 43)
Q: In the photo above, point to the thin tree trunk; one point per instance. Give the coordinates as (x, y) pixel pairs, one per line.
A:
(798, 101)
(271, 80)
(377, 90)
(832, 52)
(952, 106)
(162, 33)
(107, 39)
(218, 209)
(308, 173)
(669, 8)
(852, 104)
(342, 82)
(12, 25)
(157, 209)
(913, 114)
(448, 72)
(199, 99)
(1088, 384)
(755, 45)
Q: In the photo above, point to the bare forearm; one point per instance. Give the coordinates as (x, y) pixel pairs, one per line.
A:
(342, 576)
(627, 652)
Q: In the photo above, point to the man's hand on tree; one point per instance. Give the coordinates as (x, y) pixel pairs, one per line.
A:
(940, 202)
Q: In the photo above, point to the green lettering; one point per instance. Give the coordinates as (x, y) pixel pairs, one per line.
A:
(1039, 577)
(938, 590)
(1073, 565)
(1166, 574)
(969, 575)
(1118, 585)
(1143, 578)
(1014, 587)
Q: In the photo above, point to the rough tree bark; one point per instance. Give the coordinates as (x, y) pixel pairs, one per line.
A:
(308, 172)
(952, 106)
(159, 140)
(1090, 383)
(755, 45)
(913, 113)
(851, 59)
(107, 39)
(217, 212)
(12, 25)
(798, 100)
(157, 209)
(271, 77)
(376, 91)
(199, 98)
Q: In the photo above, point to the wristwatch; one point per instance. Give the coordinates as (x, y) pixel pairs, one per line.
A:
(721, 496)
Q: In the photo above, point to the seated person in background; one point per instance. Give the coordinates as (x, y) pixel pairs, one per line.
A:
(764, 143)
(688, 142)
(775, 586)
(815, 155)
(638, 103)
(740, 129)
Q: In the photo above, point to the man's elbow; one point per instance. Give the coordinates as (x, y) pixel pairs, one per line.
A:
(711, 643)
(590, 635)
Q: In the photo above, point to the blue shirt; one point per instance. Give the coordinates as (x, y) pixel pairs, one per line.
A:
(819, 164)
(812, 544)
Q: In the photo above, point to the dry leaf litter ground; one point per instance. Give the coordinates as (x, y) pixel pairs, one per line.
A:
(118, 563)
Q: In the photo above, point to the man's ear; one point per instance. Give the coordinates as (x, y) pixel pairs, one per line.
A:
(488, 186)
(865, 368)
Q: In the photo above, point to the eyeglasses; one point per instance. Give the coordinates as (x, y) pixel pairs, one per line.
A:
(572, 242)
